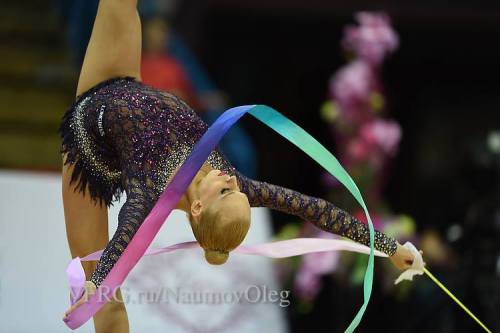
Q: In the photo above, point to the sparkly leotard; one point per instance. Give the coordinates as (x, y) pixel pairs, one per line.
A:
(123, 135)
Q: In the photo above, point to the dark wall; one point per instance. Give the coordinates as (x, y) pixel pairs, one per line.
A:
(442, 86)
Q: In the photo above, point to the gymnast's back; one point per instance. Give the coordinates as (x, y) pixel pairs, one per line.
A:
(123, 134)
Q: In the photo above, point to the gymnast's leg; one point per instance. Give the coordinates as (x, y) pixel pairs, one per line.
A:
(114, 50)
(115, 44)
(87, 232)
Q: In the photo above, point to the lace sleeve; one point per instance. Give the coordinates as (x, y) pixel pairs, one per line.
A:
(321, 213)
(133, 212)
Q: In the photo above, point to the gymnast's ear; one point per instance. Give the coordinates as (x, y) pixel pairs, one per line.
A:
(196, 207)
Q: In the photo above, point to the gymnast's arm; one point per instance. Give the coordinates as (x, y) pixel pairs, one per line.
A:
(139, 203)
(321, 213)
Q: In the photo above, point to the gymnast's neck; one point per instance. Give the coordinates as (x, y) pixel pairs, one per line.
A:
(191, 193)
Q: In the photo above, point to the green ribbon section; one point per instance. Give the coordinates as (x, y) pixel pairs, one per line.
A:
(309, 145)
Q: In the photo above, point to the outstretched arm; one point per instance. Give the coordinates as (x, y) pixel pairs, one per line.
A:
(321, 213)
(139, 203)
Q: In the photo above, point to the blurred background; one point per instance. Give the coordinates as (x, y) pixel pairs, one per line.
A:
(405, 93)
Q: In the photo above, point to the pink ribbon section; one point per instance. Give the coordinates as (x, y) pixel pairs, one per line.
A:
(279, 249)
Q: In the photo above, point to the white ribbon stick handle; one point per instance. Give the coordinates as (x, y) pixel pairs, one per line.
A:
(416, 268)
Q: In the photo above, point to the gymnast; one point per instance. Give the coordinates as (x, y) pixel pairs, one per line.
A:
(123, 135)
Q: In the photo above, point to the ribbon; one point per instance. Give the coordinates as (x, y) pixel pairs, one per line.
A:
(182, 179)
(279, 249)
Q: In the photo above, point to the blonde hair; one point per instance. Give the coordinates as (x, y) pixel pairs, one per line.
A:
(218, 235)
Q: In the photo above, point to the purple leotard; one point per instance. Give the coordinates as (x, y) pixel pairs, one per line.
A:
(123, 135)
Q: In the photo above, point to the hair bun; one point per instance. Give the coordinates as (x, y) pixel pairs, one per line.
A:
(216, 257)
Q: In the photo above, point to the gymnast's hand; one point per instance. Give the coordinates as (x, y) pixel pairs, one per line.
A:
(403, 258)
(90, 289)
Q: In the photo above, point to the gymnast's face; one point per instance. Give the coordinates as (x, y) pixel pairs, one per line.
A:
(218, 191)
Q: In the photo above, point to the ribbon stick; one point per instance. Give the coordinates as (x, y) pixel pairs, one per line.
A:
(139, 244)
(453, 297)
